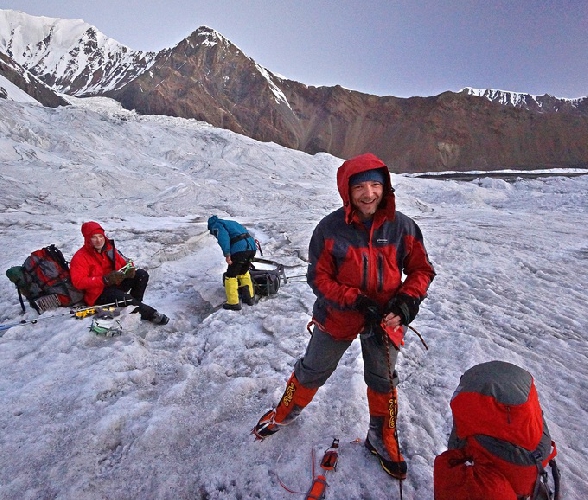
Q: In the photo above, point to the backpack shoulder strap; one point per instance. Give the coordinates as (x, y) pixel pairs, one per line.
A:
(22, 306)
(541, 483)
(57, 256)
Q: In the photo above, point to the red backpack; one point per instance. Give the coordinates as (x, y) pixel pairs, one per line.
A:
(44, 280)
(500, 444)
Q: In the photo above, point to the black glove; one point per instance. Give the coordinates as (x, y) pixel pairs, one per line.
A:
(371, 312)
(403, 305)
(369, 308)
(113, 278)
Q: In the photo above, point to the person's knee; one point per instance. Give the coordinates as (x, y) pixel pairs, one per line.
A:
(380, 382)
(141, 275)
(311, 378)
(112, 295)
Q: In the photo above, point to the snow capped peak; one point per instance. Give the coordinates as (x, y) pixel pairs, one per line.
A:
(80, 59)
(504, 96)
(31, 36)
(521, 100)
(209, 37)
(207, 31)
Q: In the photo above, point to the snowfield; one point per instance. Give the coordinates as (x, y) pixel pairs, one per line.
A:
(166, 412)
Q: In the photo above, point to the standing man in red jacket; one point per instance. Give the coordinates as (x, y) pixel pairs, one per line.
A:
(106, 276)
(358, 255)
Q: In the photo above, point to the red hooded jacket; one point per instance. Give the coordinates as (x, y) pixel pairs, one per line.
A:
(348, 259)
(88, 266)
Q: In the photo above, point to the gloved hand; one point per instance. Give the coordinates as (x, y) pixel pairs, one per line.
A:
(373, 319)
(369, 308)
(403, 305)
(113, 278)
(130, 272)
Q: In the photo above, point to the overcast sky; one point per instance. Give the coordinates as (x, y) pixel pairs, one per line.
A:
(384, 47)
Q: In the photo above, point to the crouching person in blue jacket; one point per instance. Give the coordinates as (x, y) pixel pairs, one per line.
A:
(238, 248)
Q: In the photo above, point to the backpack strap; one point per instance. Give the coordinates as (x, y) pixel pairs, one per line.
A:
(556, 479)
(21, 301)
(57, 256)
(237, 238)
(541, 483)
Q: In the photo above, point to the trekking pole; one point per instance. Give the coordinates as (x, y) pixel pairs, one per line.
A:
(22, 322)
(296, 280)
(267, 261)
(6, 326)
(78, 313)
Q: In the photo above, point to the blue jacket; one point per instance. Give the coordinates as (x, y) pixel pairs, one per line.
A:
(226, 231)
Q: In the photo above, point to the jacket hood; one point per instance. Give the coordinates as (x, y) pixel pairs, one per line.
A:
(89, 229)
(356, 165)
(212, 221)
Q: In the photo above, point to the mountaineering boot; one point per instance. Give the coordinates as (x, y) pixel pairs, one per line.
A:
(232, 291)
(148, 313)
(293, 401)
(159, 319)
(246, 288)
(382, 437)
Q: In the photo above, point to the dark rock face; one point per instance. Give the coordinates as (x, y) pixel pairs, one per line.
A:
(207, 78)
(25, 81)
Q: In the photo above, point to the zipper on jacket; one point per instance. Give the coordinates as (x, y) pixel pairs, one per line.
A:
(380, 272)
(365, 277)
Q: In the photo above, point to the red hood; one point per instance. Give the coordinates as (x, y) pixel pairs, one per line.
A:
(89, 229)
(361, 163)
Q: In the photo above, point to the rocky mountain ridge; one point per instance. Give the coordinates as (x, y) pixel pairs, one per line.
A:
(34, 87)
(206, 77)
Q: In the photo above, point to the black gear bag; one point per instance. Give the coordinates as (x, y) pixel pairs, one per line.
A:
(267, 281)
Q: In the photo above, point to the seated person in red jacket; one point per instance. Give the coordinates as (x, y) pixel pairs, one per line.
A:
(106, 276)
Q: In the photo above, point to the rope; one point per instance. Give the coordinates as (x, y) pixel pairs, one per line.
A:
(420, 337)
(290, 490)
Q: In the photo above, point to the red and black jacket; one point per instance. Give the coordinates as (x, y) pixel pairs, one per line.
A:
(347, 259)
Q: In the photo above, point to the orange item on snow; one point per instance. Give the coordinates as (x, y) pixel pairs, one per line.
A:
(317, 490)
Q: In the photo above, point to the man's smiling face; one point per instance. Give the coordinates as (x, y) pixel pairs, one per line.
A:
(365, 197)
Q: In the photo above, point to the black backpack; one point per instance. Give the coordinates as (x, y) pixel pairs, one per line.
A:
(266, 281)
(44, 280)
